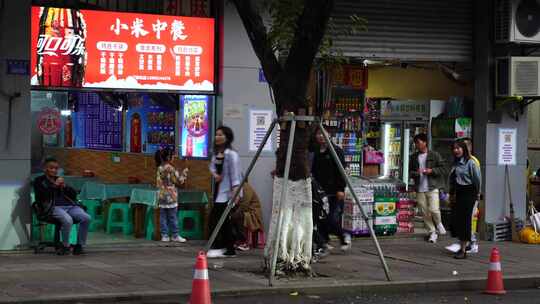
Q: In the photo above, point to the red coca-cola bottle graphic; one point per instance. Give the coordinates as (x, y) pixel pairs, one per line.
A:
(68, 133)
(135, 134)
(189, 145)
(61, 48)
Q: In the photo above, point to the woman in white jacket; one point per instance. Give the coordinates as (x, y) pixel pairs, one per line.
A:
(227, 172)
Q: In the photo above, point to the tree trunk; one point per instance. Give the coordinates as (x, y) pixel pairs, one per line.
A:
(295, 237)
(289, 83)
(299, 161)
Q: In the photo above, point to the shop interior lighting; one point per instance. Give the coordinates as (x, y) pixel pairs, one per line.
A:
(386, 165)
(65, 112)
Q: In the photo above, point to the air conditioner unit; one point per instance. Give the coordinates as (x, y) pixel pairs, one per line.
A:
(517, 76)
(517, 21)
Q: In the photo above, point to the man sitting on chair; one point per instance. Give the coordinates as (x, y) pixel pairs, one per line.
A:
(50, 189)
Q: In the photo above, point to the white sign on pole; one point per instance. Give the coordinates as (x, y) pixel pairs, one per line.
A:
(259, 122)
(507, 147)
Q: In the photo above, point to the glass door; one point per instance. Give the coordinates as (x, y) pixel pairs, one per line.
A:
(410, 131)
(415, 128)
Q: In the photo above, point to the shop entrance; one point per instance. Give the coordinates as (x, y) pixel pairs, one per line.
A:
(105, 145)
(373, 110)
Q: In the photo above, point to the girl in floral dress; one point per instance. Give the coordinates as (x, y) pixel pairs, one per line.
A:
(167, 179)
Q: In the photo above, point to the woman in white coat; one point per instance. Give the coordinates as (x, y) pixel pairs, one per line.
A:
(227, 172)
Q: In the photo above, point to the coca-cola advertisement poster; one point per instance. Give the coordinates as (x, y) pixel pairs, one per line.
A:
(195, 125)
(149, 125)
(110, 50)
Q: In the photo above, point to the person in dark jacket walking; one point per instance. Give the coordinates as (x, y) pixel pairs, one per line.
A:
(427, 168)
(50, 189)
(325, 171)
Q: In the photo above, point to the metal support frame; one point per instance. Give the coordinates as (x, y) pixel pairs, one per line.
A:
(356, 200)
(293, 119)
(282, 199)
(230, 203)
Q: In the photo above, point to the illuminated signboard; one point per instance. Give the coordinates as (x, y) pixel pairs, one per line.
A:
(149, 125)
(111, 50)
(195, 125)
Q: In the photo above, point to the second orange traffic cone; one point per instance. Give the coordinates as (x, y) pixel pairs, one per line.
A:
(200, 290)
(495, 280)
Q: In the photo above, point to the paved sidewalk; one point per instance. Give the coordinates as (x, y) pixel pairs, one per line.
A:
(152, 272)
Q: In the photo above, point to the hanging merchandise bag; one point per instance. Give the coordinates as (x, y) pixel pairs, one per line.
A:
(534, 217)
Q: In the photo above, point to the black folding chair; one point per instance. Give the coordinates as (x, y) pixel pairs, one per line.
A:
(41, 245)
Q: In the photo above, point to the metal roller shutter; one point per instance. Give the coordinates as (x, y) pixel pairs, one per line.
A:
(409, 30)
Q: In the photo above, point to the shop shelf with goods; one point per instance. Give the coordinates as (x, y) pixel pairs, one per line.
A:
(342, 117)
(373, 157)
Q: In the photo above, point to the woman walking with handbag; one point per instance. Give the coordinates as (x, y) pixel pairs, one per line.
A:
(227, 172)
(465, 183)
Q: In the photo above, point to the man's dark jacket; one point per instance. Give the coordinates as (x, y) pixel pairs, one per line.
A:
(437, 180)
(45, 194)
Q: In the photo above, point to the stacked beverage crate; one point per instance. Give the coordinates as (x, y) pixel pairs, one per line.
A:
(353, 221)
(405, 214)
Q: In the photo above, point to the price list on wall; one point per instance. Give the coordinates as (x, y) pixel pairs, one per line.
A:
(97, 125)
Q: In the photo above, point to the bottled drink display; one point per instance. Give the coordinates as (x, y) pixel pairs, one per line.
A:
(343, 120)
(61, 48)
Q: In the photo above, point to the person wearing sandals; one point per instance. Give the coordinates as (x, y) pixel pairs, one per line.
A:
(246, 218)
(227, 172)
(465, 184)
(167, 179)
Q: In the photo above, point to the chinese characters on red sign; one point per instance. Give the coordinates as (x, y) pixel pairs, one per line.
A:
(97, 49)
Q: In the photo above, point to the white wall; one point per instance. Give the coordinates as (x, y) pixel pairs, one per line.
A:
(534, 120)
(497, 206)
(242, 89)
(534, 134)
(15, 158)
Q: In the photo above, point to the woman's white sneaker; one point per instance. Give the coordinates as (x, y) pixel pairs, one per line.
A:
(179, 239)
(216, 253)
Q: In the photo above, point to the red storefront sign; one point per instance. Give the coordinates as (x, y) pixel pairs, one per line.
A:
(98, 49)
(49, 121)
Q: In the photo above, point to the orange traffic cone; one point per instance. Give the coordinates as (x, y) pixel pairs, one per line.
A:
(495, 280)
(200, 290)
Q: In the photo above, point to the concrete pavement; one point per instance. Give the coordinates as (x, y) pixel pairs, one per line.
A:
(150, 271)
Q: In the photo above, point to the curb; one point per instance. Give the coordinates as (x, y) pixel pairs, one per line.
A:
(469, 284)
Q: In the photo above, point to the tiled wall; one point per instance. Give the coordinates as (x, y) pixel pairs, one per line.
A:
(75, 161)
